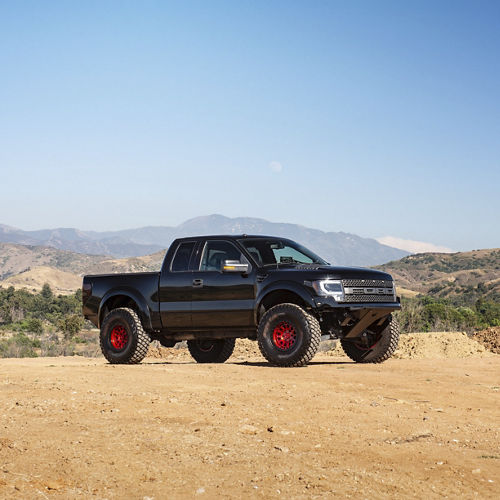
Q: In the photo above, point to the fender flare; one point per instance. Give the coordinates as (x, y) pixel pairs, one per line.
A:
(143, 309)
(286, 286)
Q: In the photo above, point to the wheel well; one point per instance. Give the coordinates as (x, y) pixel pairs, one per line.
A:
(280, 297)
(115, 302)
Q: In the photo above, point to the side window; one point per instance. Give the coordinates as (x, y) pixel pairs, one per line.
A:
(216, 252)
(182, 256)
(254, 252)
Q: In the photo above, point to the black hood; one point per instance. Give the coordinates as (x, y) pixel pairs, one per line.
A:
(319, 271)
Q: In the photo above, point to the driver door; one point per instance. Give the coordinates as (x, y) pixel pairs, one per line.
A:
(221, 299)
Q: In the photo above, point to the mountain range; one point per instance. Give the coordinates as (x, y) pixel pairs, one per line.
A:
(338, 248)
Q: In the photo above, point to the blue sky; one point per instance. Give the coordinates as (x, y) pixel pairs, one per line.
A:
(376, 118)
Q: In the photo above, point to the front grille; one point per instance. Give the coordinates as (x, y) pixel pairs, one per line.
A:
(368, 298)
(368, 291)
(368, 283)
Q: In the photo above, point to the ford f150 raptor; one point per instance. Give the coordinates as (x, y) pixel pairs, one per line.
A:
(214, 289)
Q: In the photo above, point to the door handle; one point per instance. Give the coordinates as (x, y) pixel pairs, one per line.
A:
(198, 283)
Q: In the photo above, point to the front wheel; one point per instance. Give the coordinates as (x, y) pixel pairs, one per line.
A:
(288, 335)
(123, 339)
(211, 350)
(373, 347)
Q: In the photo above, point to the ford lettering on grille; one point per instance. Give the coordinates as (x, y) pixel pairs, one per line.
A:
(368, 291)
(358, 290)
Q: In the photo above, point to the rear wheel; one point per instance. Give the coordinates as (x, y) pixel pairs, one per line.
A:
(123, 339)
(373, 347)
(211, 350)
(288, 335)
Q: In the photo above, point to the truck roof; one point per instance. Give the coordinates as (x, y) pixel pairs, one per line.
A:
(232, 237)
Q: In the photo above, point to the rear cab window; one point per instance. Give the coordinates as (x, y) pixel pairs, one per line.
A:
(182, 258)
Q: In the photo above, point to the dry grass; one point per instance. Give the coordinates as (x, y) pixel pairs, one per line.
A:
(61, 282)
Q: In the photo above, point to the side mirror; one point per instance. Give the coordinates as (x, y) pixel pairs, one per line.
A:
(234, 266)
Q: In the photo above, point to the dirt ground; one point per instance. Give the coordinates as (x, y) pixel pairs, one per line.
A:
(169, 428)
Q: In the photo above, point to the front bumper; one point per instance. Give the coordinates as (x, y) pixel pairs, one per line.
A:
(356, 318)
(325, 303)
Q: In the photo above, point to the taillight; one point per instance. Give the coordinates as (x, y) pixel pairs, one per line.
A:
(86, 291)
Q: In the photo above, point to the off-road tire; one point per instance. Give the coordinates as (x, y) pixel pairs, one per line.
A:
(211, 350)
(288, 336)
(123, 339)
(382, 350)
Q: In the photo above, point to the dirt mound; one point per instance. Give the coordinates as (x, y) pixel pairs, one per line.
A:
(490, 338)
(432, 345)
(159, 352)
(438, 345)
(243, 350)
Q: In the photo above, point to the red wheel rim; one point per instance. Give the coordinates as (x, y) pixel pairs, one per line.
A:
(284, 336)
(118, 337)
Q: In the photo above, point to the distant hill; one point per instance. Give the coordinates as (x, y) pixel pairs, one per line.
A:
(26, 266)
(61, 282)
(463, 276)
(77, 241)
(336, 247)
(15, 259)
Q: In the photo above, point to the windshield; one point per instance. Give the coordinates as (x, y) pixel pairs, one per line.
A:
(275, 251)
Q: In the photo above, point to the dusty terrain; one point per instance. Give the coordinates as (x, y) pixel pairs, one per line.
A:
(169, 428)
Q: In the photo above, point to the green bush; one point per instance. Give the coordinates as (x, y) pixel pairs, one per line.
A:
(424, 314)
(71, 325)
(22, 310)
(19, 346)
(44, 324)
(33, 325)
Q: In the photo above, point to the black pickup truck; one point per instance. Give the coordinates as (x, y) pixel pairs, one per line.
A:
(214, 289)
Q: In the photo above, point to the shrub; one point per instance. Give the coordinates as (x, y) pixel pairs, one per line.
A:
(34, 325)
(71, 325)
(425, 313)
(19, 346)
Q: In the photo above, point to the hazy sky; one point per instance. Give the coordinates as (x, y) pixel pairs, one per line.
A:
(377, 118)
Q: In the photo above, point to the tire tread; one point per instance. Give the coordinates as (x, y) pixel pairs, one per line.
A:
(143, 338)
(314, 329)
(220, 357)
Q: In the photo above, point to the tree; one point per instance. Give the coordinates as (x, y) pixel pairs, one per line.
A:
(46, 292)
(71, 325)
(34, 325)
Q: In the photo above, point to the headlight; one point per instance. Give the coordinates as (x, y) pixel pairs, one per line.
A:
(329, 288)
